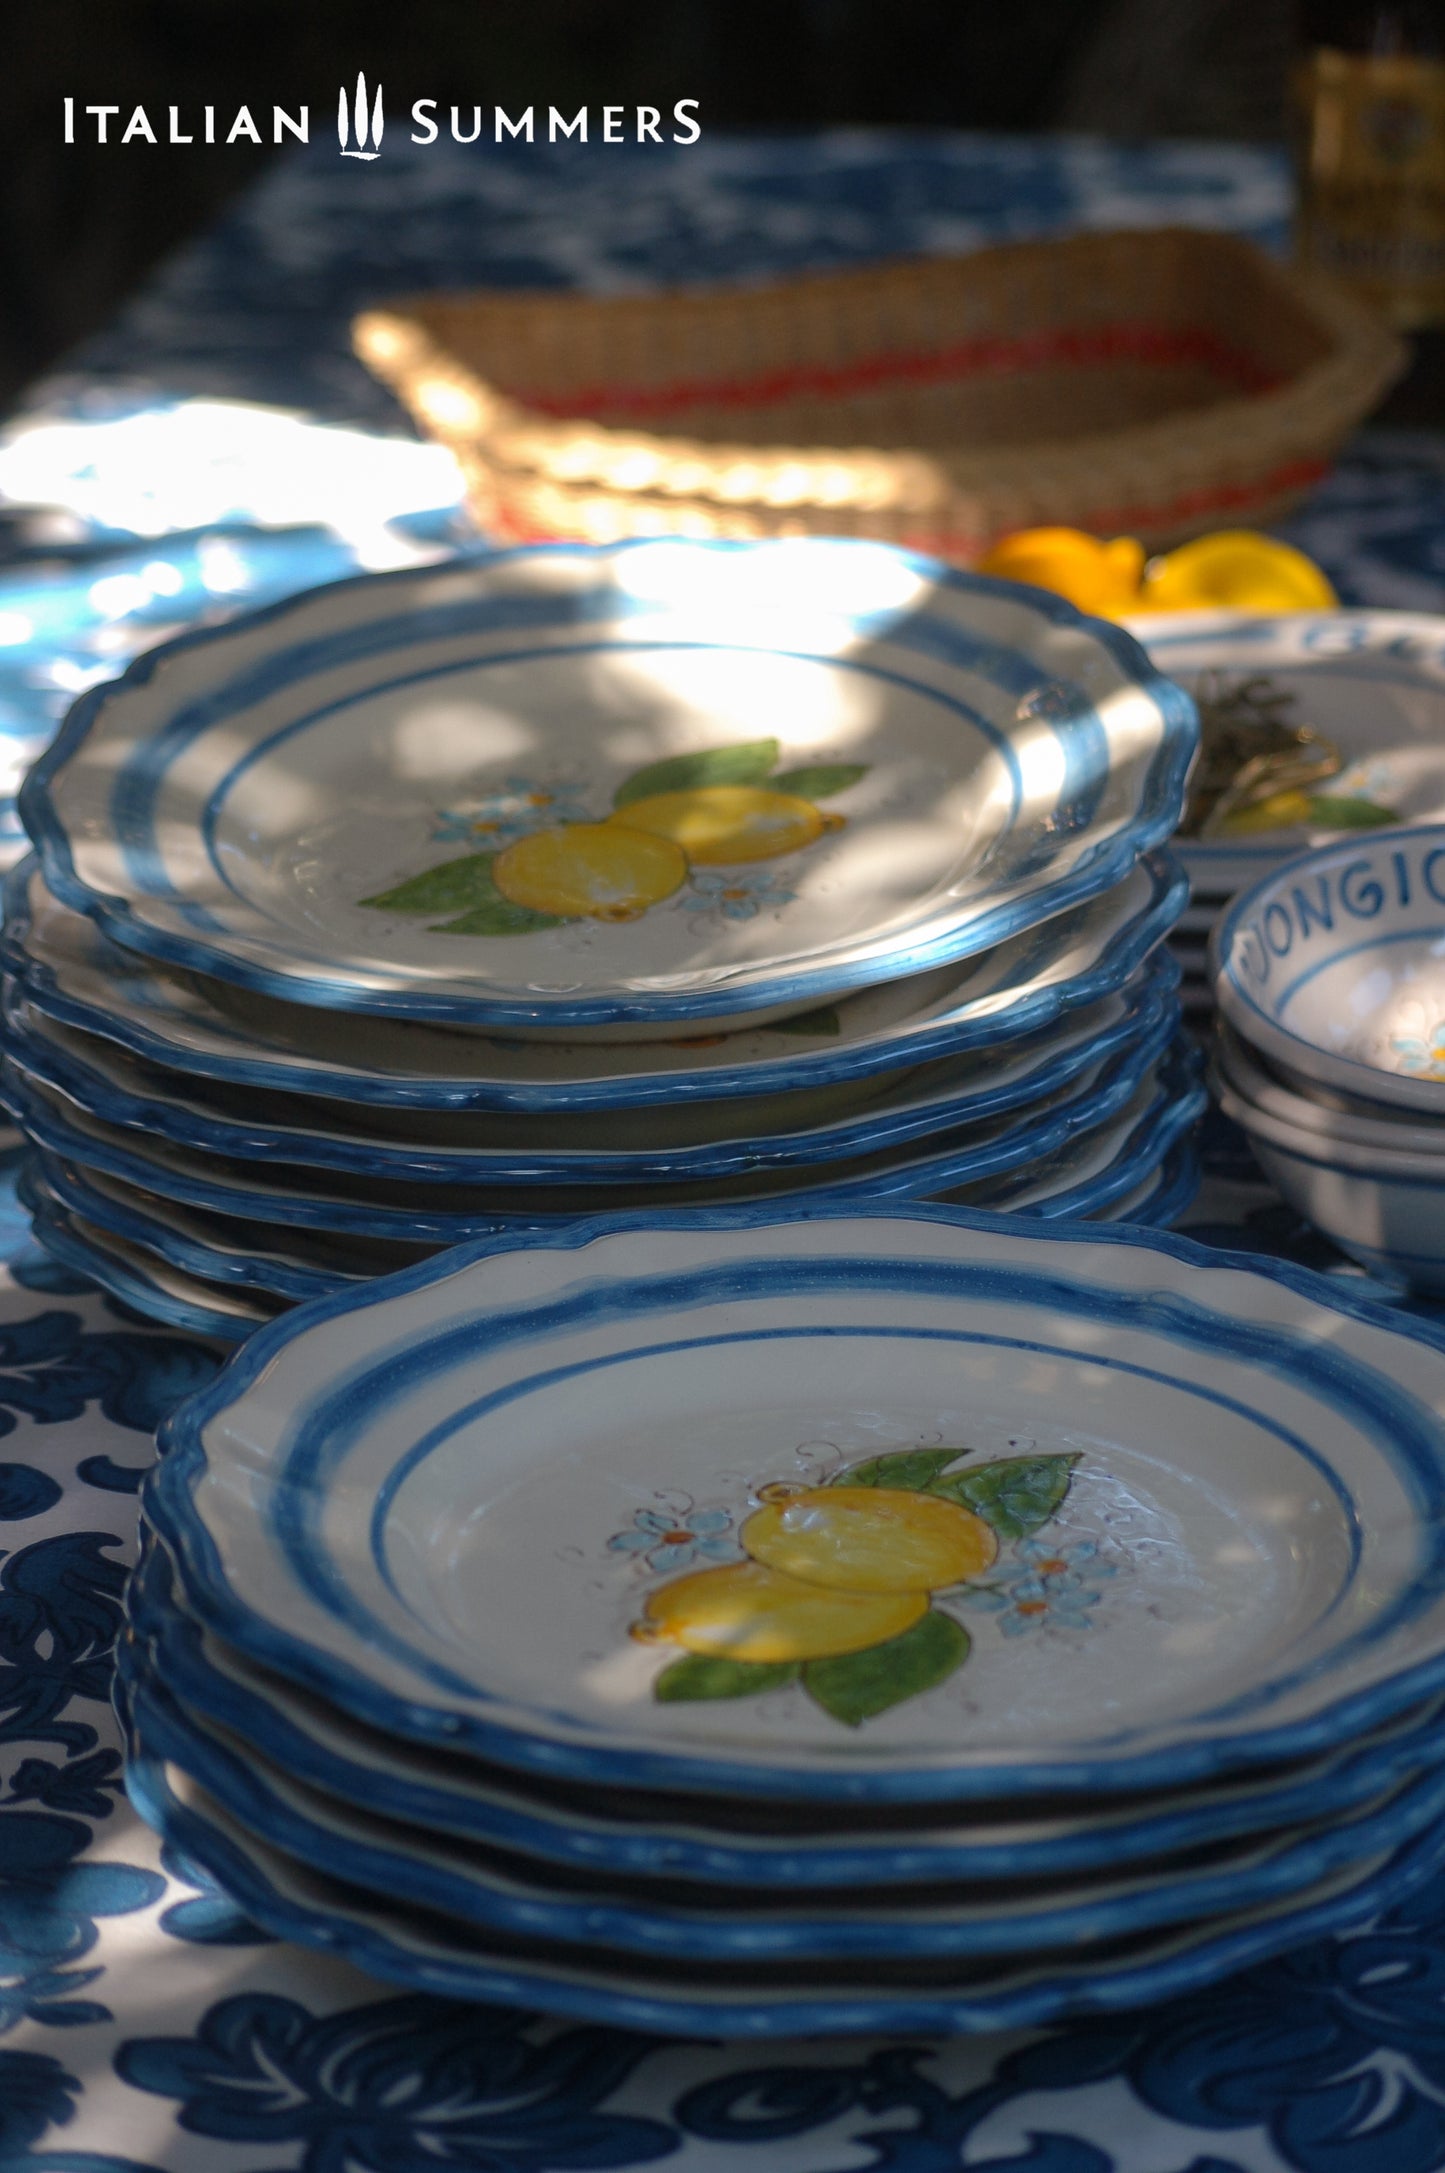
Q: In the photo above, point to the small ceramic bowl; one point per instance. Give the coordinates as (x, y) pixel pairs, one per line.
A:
(1386, 1210)
(1333, 968)
(1368, 1126)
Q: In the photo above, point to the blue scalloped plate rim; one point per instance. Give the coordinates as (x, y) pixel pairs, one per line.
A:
(788, 1071)
(1100, 866)
(925, 1167)
(336, 1215)
(159, 1619)
(1158, 1146)
(56, 1233)
(64, 1186)
(167, 1505)
(644, 1930)
(1097, 1988)
(1134, 1039)
(1154, 1148)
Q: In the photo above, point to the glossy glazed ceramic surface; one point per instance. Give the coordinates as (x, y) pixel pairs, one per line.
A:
(653, 1920)
(216, 1030)
(689, 782)
(422, 1951)
(580, 1147)
(124, 1137)
(1334, 966)
(1279, 1544)
(755, 1847)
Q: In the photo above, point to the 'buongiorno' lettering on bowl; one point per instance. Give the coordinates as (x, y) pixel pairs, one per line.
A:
(1314, 903)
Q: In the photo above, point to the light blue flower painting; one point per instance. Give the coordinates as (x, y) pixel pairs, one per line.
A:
(673, 1542)
(733, 894)
(519, 806)
(1421, 1055)
(1046, 1586)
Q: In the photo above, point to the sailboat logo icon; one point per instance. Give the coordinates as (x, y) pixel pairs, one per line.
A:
(367, 125)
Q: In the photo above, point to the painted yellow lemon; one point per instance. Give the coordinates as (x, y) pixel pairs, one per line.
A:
(745, 1611)
(869, 1539)
(594, 869)
(720, 824)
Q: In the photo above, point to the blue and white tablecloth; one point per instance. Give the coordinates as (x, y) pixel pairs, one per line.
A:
(143, 2023)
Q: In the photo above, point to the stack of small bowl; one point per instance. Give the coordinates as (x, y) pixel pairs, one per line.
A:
(566, 880)
(1330, 980)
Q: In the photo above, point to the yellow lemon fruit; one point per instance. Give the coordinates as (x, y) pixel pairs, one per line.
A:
(747, 1612)
(1236, 570)
(718, 824)
(1095, 575)
(870, 1539)
(596, 869)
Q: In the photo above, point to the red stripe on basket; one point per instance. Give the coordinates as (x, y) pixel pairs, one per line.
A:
(1162, 347)
(1217, 498)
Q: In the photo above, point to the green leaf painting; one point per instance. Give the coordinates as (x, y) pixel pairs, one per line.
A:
(820, 782)
(698, 1676)
(467, 884)
(911, 1469)
(1015, 1495)
(498, 917)
(857, 1686)
(1334, 812)
(750, 763)
(454, 886)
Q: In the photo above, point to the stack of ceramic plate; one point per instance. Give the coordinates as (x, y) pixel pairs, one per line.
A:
(566, 880)
(1370, 685)
(839, 1623)
(1330, 1050)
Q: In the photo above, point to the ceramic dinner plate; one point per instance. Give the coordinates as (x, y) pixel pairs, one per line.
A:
(1139, 1168)
(1373, 682)
(1143, 1172)
(751, 1849)
(420, 1181)
(658, 1917)
(435, 1506)
(1139, 1087)
(613, 787)
(581, 1148)
(140, 1278)
(212, 1272)
(290, 1263)
(216, 1030)
(430, 1952)
(211, 1299)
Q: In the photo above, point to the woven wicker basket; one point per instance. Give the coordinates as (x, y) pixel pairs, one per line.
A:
(1149, 383)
